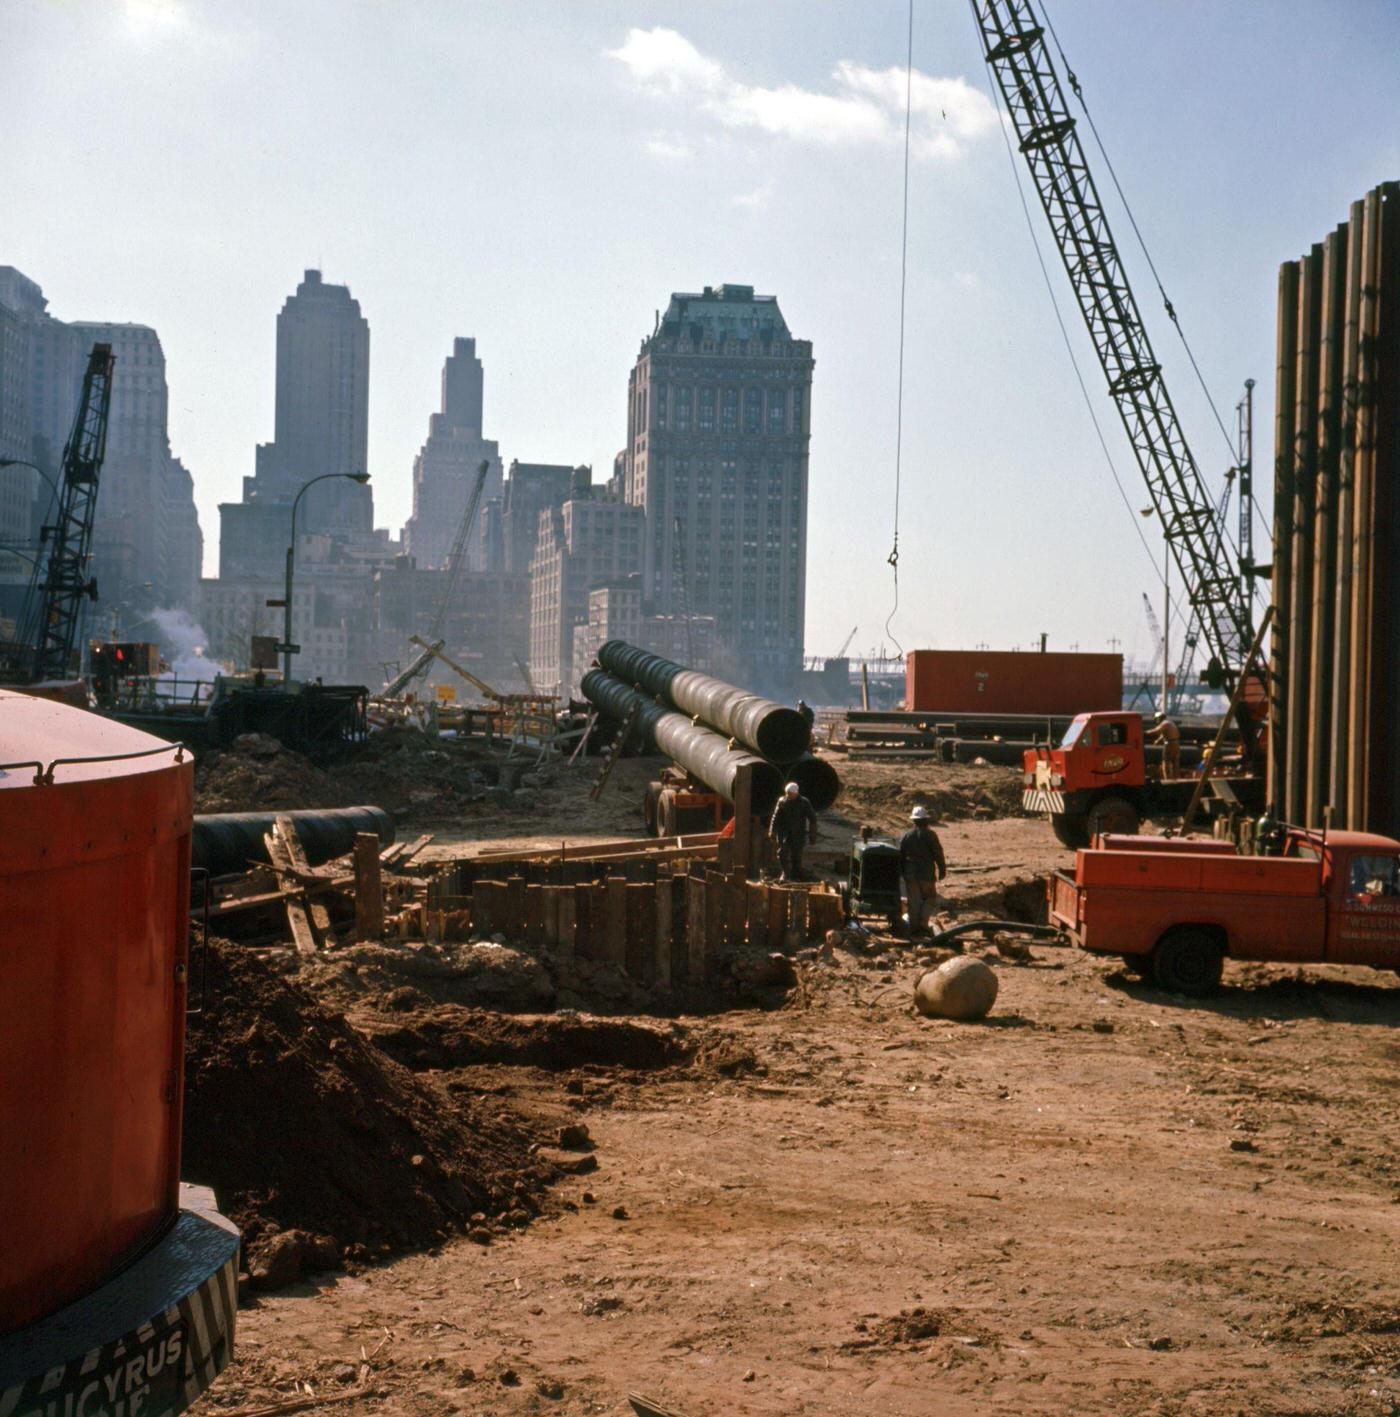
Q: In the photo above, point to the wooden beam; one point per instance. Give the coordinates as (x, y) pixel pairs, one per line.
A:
(294, 898)
(661, 946)
(369, 888)
(296, 853)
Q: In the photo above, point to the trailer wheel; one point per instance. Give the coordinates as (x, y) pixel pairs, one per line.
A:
(1071, 829)
(666, 813)
(1188, 962)
(1113, 814)
(649, 801)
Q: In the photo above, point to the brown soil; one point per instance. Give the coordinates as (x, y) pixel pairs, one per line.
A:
(883, 794)
(298, 1123)
(1102, 1200)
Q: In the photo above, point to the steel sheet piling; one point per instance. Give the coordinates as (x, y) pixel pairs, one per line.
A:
(1285, 377)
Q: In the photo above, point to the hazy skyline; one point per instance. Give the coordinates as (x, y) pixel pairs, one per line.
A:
(542, 178)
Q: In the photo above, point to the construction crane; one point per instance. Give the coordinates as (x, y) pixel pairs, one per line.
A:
(53, 608)
(1018, 57)
(456, 564)
(846, 643)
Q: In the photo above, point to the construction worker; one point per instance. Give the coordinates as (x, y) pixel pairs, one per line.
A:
(1165, 732)
(793, 823)
(923, 865)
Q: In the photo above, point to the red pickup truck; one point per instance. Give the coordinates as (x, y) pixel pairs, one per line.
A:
(1173, 908)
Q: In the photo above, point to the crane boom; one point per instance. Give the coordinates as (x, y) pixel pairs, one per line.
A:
(457, 561)
(1015, 49)
(54, 615)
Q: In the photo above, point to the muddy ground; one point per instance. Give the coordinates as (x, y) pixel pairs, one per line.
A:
(1103, 1199)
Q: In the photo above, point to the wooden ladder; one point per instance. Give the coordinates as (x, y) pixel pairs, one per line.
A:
(613, 752)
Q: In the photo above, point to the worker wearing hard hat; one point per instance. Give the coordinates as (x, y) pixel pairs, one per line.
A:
(1165, 732)
(923, 865)
(793, 823)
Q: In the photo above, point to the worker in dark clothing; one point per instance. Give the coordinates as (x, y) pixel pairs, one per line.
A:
(793, 823)
(923, 865)
(808, 713)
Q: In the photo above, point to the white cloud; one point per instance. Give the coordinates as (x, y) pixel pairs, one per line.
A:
(752, 201)
(866, 106)
(669, 147)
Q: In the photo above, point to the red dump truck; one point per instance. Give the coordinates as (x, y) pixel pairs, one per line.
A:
(1175, 908)
(1097, 781)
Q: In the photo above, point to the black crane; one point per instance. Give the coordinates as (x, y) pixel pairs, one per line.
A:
(52, 615)
(1016, 52)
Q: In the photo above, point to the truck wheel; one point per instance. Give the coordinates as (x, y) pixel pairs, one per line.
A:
(1113, 814)
(666, 813)
(1188, 962)
(1139, 966)
(1071, 829)
(649, 801)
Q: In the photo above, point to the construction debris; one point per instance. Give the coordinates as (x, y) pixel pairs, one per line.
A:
(961, 988)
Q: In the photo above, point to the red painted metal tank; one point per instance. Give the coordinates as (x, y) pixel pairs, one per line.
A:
(95, 822)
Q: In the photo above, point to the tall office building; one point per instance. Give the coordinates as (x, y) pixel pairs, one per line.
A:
(532, 488)
(321, 425)
(719, 404)
(445, 470)
(146, 540)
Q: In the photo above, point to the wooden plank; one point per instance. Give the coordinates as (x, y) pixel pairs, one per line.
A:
(369, 889)
(641, 931)
(757, 912)
(294, 900)
(488, 906)
(611, 846)
(716, 912)
(695, 928)
(738, 897)
(534, 915)
(615, 932)
(514, 923)
(568, 921)
(777, 916)
(661, 935)
(413, 848)
(550, 932)
(392, 852)
(296, 854)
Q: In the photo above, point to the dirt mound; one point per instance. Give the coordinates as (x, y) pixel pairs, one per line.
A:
(240, 780)
(883, 795)
(453, 1037)
(297, 1121)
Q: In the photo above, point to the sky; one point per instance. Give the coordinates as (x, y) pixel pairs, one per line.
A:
(543, 176)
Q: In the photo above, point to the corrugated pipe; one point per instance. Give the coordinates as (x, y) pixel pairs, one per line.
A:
(816, 779)
(699, 750)
(771, 730)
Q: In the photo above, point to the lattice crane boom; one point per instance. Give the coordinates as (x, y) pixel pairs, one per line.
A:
(1016, 52)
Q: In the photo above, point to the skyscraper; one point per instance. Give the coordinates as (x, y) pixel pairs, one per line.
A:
(444, 472)
(717, 435)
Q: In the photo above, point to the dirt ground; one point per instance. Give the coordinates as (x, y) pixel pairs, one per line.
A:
(1103, 1199)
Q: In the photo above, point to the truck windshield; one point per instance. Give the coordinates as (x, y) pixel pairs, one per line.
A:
(1074, 730)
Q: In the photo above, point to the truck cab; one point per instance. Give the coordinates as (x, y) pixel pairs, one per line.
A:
(1175, 911)
(1091, 782)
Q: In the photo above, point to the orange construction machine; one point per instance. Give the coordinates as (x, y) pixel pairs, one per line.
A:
(1097, 781)
(1174, 909)
(118, 1284)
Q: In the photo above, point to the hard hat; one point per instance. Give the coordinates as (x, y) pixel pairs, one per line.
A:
(791, 789)
(1159, 714)
(919, 814)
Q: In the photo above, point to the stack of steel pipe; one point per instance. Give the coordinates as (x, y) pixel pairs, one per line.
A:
(772, 732)
(1335, 659)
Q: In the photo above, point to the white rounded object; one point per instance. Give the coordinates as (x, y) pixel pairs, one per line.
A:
(962, 988)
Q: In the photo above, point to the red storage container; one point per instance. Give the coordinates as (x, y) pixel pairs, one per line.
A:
(94, 907)
(1004, 681)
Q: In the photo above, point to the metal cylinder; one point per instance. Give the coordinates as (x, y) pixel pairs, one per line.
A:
(772, 730)
(1280, 657)
(699, 750)
(816, 780)
(224, 842)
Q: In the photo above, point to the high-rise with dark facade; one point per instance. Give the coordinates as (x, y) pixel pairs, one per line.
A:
(321, 426)
(719, 406)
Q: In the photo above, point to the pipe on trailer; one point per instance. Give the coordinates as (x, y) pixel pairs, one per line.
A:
(225, 842)
(771, 730)
(699, 750)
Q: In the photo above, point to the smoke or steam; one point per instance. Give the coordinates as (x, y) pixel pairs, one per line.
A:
(182, 646)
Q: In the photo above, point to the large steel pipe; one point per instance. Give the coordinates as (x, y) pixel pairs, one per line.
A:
(816, 779)
(699, 750)
(224, 842)
(772, 730)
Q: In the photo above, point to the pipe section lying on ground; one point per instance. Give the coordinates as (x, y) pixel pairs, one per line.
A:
(699, 750)
(772, 730)
(816, 779)
(225, 842)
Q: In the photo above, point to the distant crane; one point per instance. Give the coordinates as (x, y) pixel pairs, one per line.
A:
(456, 563)
(846, 643)
(52, 613)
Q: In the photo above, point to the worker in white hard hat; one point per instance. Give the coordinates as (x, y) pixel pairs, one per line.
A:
(923, 865)
(793, 823)
(1165, 732)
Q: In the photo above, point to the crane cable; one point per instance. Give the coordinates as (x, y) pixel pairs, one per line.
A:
(893, 557)
(1002, 122)
(1151, 264)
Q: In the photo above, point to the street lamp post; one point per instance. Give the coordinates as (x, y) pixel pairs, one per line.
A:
(287, 649)
(24, 462)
